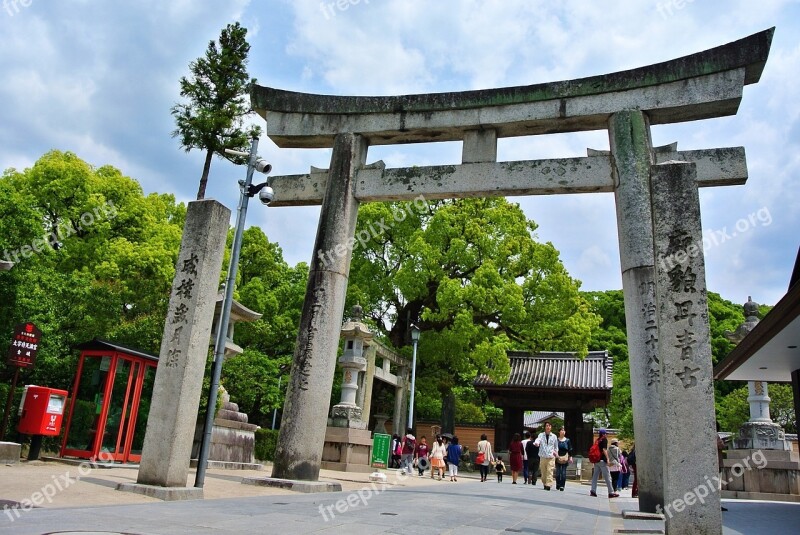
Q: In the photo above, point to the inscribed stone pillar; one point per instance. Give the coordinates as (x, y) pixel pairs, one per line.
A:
(631, 150)
(184, 347)
(302, 435)
(684, 348)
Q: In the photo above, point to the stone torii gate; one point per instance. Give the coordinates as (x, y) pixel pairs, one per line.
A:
(658, 220)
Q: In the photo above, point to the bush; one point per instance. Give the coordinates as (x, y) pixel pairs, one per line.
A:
(266, 442)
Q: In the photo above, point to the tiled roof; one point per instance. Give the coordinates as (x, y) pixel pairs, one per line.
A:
(534, 418)
(556, 370)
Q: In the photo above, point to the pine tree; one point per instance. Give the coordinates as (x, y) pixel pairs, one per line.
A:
(217, 90)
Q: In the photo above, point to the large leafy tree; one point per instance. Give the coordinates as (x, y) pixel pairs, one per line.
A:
(213, 118)
(94, 257)
(268, 285)
(470, 274)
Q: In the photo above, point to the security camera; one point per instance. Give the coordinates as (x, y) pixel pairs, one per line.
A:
(266, 195)
(262, 166)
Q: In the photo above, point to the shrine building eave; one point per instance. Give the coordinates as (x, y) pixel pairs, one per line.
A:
(698, 86)
(551, 380)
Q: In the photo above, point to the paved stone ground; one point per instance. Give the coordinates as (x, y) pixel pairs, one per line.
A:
(404, 505)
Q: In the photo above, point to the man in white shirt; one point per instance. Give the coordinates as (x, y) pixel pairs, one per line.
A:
(548, 450)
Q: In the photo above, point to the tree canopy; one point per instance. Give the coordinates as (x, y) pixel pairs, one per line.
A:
(94, 257)
(217, 91)
(470, 274)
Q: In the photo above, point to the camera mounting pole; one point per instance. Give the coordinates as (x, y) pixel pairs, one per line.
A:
(247, 190)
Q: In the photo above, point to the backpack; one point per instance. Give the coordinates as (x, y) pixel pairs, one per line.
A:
(409, 445)
(397, 450)
(594, 453)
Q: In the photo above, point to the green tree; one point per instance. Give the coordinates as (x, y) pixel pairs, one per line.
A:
(269, 286)
(213, 119)
(471, 275)
(95, 258)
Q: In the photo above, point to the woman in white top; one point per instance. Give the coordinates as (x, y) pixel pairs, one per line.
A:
(436, 456)
(484, 447)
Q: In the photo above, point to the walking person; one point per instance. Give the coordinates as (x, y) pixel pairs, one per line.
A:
(563, 459)
(601, 465)
(499, 468)
(532, 453)
(421, 455)
(484, 457)
(548, 448)
(407, 447)
(625, 471)
(437, 458)
(614, 463)
(453, 458)
(526, 437)
(397, 452)
(632, 467)
(515, 457)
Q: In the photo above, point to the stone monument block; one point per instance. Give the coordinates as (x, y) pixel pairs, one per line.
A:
(184, 347)
(684, 349)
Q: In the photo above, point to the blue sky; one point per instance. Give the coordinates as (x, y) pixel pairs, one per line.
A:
(99, 77)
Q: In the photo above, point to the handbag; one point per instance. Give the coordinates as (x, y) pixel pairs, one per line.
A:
(563, 459)
(480, 458)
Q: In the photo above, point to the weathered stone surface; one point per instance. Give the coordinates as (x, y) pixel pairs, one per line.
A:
(10, 452)
(629, 136)
(684, 349)
(168, 494)
(299, 451)
(716, 167)
(699, 86)
(184, 347)
(479, 146)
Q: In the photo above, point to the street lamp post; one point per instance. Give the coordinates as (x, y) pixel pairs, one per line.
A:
(414, 340)
(247, 190)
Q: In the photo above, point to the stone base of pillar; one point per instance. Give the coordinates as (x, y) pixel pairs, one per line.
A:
(167, 494)
(233, 440)
(759, 472)
(761, 436)
(345, 415)
(347, 450)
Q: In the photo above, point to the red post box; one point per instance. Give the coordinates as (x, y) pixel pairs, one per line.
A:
(41, 410)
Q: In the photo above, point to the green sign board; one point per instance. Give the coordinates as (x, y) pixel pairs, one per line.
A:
(380, 450)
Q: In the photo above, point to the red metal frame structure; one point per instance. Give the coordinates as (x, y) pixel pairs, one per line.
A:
(104, 408)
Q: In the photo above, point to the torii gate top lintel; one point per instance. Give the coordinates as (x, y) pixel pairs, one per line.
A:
(715, 78)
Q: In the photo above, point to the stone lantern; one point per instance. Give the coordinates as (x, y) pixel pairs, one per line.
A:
(356, 337)
(760, 432)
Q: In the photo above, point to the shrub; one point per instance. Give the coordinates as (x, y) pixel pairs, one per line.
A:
(266, 442)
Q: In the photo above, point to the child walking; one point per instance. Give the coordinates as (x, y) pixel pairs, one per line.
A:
(499, 467)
